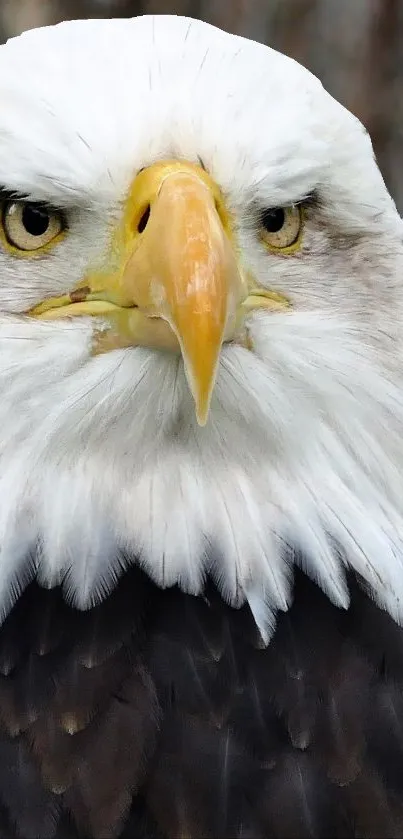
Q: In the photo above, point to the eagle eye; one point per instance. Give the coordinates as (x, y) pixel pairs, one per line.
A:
(281, 228)
(29, 227)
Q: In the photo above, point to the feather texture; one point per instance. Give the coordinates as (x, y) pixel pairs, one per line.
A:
(160, 714)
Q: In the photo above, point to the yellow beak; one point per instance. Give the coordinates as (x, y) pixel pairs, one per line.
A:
(184, 271)
(172, 277)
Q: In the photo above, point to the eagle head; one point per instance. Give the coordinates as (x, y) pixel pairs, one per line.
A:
(201, 305)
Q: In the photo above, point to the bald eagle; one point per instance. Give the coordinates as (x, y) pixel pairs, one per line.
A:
(201, 456)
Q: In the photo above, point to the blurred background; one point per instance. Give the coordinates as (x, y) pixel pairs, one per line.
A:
(354, 46)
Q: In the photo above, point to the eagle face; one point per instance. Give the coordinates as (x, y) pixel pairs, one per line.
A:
(201, 309)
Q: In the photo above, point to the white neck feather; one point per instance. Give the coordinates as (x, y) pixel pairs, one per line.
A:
(102, 462)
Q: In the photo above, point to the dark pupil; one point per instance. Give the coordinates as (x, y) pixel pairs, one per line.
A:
(35, 220)
(273, 220)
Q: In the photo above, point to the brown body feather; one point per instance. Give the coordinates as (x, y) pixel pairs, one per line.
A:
(161, 715)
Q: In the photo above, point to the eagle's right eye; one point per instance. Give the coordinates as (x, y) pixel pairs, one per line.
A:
(28, 227)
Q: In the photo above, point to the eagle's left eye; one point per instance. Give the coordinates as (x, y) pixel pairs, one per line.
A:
(30, 227)
(282, 228)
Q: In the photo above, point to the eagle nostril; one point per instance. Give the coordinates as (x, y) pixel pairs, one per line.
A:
(144, 219)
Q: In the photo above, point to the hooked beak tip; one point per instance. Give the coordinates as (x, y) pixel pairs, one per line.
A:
(201, 375)
(202, 412)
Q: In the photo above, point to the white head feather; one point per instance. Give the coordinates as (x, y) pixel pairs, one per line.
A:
(101, 459)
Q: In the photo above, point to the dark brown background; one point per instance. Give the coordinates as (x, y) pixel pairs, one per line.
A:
(354, 46)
